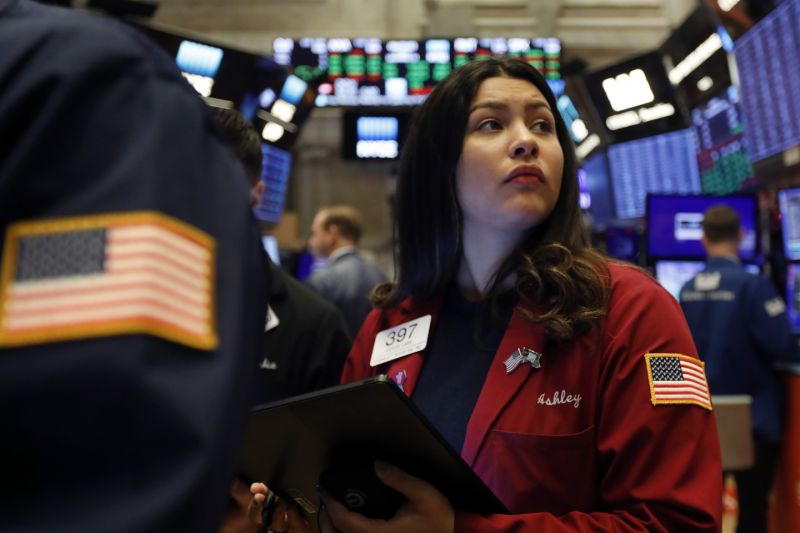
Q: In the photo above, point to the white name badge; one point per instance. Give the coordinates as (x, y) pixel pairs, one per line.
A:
(399, 341)
(272, 319)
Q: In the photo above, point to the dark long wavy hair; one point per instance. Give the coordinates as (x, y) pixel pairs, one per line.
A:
(555, 264)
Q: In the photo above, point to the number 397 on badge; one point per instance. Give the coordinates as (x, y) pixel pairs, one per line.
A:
(399, 341)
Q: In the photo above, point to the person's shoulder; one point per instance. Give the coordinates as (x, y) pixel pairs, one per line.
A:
(73, 43)
(312, 302)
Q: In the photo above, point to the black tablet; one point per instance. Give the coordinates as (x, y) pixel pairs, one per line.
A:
(331, 438)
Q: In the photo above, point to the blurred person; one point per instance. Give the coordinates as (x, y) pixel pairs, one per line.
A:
(132, 283)
(546, 364)
(741, 329)
(347, 279)
(306, 339)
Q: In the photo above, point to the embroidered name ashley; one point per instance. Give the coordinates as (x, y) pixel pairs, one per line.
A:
(559, 398)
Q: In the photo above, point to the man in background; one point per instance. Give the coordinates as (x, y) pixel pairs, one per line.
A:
(347, 279)
(306, 339)
(741, 329)
(132, 284)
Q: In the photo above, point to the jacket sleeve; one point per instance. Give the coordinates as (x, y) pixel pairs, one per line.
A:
(658, 465)
(767, 321)
(138, 431)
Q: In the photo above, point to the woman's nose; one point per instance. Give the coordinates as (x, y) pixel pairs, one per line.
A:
(524, 143)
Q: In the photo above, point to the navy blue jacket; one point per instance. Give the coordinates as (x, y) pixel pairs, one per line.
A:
(741, 329)
(346, 281)
(130, 426)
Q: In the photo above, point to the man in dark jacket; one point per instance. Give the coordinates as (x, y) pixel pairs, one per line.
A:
(740, 326)
(132, 284)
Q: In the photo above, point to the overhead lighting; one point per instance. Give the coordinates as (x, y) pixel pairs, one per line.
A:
(695, 58)
(705, 83)
(628, 90)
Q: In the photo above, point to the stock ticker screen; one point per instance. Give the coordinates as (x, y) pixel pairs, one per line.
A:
(665, 163)
(376, 72)
(721, 155)
(768, 58)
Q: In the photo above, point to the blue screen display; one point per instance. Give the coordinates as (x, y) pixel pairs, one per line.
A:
(672, 275)
(277, 166)
(768, 58)
(674, 225)
(622, 242)
(789, 202)
(660, 164)
(595, 175)
(793, 296)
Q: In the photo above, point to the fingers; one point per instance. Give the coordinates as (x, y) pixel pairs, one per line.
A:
(413, 488)
(255, 504)
(343, 519)
(240, 493)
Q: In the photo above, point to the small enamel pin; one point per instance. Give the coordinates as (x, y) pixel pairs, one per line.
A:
(523, 355)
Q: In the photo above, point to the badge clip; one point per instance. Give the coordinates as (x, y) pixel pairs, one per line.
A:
(523, 355)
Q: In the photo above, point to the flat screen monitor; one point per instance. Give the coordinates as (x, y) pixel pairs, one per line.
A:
(270, 243)
(594, 175)
(674, 228)
(672, 275)
(622, 242)
(661, 164)
(697, 56)
(635, 98)
(373, 134)
(277, 165)
(377, 72)
(722, 157)
(768, 59)
(789, 203)
(793, 296)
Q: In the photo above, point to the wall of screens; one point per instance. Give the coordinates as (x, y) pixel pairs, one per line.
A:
(375, 72)
(768, 59)
(721, 155)
(660, 164)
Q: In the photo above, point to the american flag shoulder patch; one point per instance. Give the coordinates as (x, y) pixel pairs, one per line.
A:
(104, 275)
(677, 379)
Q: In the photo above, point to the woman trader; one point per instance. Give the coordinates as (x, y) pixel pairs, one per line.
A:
(569, 382)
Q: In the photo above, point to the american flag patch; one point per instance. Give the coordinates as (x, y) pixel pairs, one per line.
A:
(676, 378)
(96, 276)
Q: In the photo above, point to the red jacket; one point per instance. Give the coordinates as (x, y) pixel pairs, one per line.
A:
(577, 445)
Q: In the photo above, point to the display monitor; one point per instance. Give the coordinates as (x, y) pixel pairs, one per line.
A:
(674, 228)
(722, 157)
(594, 175)
(270, 243)
(789, 203)
(793, 296)
(661, 164)
(373, 134)
(635, 98)
(696, 53)
(277, 164)
(768, 59)
(622, 242)
(376, 72)
(672, 275)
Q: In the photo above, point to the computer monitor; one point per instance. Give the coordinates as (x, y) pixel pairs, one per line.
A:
(789, 203)
(674, 224)
(672, 275)
(270, 243)
(793, 296)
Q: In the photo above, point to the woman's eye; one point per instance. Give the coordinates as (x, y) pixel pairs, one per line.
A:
(542, 125)
(489, 124)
